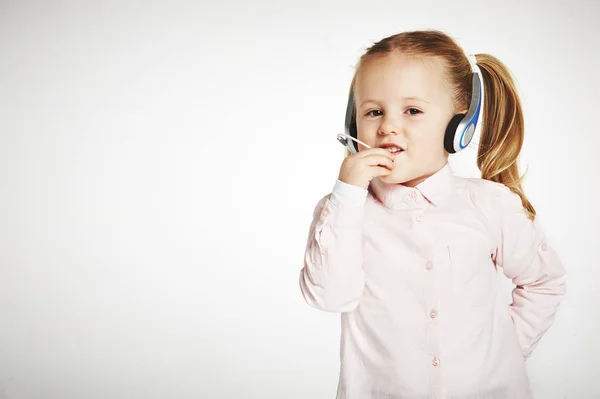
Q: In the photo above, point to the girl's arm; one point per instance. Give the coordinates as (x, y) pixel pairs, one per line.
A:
(534, 267)
(332, 278)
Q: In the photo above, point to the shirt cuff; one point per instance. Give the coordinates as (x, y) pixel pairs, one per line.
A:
(347, 193)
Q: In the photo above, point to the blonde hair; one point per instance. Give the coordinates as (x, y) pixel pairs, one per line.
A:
(502, 130)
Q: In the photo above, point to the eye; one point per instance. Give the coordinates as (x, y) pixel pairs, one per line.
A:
(370, 113)
(377, 112)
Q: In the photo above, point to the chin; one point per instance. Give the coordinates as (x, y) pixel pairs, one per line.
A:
(391, 179)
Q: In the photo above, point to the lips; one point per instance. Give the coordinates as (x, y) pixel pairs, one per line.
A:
(394, 148)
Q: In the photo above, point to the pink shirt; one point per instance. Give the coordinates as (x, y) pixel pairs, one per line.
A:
(414, 274)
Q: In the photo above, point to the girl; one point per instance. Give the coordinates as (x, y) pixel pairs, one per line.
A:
(408, 253)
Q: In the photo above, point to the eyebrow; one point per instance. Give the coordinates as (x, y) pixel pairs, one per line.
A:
(404, 98)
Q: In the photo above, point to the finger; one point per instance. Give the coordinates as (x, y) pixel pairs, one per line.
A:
(376, 150)
(376, 159)
(379, 171)
(383, 151)
(387, 162)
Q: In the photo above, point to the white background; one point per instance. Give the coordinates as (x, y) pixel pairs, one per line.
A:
(159, 166)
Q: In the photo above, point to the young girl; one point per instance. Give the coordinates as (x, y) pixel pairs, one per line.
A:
(408, 253)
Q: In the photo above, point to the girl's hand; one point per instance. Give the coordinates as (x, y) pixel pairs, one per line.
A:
(360, 168)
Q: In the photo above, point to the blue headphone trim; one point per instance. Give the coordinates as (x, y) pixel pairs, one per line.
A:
(472, 122)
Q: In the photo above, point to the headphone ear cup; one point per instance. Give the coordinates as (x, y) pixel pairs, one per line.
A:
(451, 132)
(351, 128)
(353, 131)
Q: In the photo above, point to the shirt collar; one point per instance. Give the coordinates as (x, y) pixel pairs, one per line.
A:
(435, 189)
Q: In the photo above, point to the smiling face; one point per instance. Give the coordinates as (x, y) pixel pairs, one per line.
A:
(405, 101)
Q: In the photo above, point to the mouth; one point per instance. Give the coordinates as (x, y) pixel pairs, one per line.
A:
(392, 148)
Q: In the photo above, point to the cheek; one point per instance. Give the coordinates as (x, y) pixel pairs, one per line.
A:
(367, 137)
(430, 138)
(425, 143)
(425, 151)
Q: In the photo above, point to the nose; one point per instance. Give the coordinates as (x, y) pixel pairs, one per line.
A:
(389, 125)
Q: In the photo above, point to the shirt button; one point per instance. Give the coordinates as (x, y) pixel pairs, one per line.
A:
(544, 247)
(433, 314)
(429, 265)
(436, 362)
(325, 212)
(420, 218)
(412, 195)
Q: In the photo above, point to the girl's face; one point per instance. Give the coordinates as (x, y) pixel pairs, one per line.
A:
(406, 101)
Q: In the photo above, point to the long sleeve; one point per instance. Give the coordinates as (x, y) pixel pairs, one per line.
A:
(332, 278)
(528, 259)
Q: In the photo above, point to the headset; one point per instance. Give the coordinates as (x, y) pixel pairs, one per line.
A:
(460, 129)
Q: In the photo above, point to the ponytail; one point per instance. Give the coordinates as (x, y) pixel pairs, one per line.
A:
(502, 130)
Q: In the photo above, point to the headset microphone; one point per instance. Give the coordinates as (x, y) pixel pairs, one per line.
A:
(343, 138)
